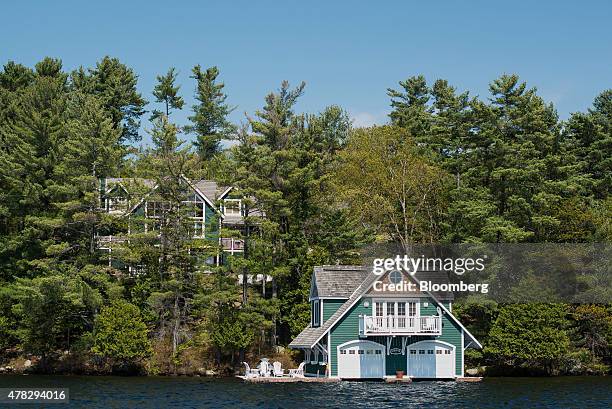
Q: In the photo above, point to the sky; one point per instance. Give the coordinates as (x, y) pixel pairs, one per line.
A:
(347, 52)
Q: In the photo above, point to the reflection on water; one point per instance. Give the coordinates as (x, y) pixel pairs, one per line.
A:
(117, 392)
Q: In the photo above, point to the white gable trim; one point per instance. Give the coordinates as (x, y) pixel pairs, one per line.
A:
(191, 185)
(198, 191)
(222, 195)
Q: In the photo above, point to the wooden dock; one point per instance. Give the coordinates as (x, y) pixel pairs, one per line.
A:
(405, 379)
(470, 379)
(286, 379)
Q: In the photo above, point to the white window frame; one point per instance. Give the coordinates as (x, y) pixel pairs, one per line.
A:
(384, 302)
(239, 213)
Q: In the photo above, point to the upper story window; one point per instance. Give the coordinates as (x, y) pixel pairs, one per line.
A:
(316, 313)
(156, 209)
(116, 204)
(232, 207)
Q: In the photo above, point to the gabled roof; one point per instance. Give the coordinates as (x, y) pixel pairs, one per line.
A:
(207, 189)
(212, 190)
(310, 336)
(336, 281)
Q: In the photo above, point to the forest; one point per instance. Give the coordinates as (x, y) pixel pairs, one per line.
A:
(447, 167)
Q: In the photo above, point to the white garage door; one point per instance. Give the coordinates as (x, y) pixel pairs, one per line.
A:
(431, 359)
(361, 359)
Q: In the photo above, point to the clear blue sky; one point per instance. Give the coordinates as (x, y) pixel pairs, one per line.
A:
(348, 52)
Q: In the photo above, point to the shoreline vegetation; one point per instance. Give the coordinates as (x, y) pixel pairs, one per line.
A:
(448, 167)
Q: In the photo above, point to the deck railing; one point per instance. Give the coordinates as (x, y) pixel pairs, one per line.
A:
(400, 325)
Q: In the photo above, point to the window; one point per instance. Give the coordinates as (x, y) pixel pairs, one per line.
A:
(360, 352)
(430, 351)
(316, 313)
(439, 352)
(232, 207)
(421, 351)
(351, 352)
(370, 352)
(378, 352)
(401, 309)
(156, 209)
(413, 352)
(116, 204)
(390, 308)
(447, 352)
(395, 277)
(198, 210)
(343, 352)
(379, 309)
(198, 229)
(412, 309)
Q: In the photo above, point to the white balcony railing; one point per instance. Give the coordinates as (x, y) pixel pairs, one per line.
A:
(400, 325)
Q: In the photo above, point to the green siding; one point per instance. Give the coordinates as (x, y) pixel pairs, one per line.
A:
(330, 307)
(347, 329)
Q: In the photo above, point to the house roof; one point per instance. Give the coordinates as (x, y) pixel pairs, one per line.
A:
(208, 188)
(310, 336)
(336, 281)
(211, 189)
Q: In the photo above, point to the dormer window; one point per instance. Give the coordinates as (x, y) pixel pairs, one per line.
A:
(316, 313)
(232, 207)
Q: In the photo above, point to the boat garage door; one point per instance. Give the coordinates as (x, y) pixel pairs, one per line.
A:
(431, 359)
(361, 360)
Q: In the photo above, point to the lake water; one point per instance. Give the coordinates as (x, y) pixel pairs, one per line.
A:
(166, 392)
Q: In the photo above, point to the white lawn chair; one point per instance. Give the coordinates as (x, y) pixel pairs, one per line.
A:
(297, 373)
(264, 368)
(277, 369)
(250, 373)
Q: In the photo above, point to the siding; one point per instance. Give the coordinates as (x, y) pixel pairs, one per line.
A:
(330, 307)
(347, 329)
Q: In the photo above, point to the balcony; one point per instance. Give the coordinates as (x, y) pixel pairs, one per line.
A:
(399, 325)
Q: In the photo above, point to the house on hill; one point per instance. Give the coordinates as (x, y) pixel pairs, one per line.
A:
(368, 326)
(212, 207)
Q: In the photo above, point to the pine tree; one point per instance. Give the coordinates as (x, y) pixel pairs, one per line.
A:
(209, 120)
(166, 92)
(115, 85)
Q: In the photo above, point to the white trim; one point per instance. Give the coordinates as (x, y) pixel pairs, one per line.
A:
(321, 313)
(225, 192)
(206, 199)
(462, 353)
(328, 369)
(326, 298)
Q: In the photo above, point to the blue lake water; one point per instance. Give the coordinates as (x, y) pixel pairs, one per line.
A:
(167, 392)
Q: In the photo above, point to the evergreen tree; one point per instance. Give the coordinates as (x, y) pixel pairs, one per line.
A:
(120, 335)
(529, 335)
(115, 85)
(209, 120)
(166, 92)
(589, 139)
